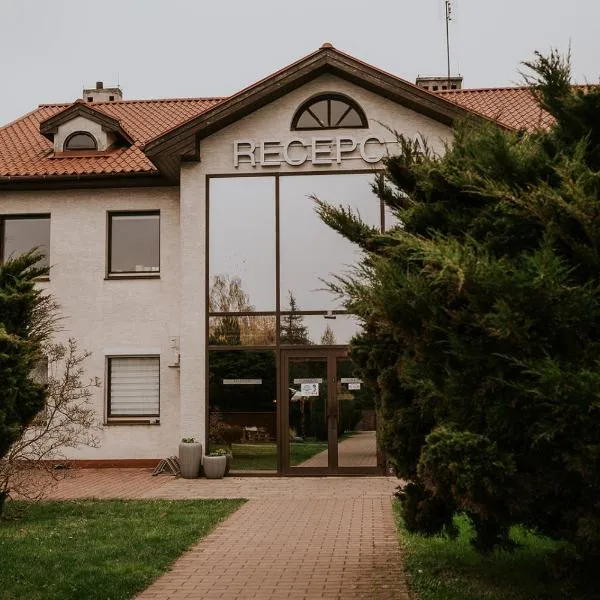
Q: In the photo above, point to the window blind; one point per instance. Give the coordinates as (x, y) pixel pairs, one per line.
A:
(134, 387)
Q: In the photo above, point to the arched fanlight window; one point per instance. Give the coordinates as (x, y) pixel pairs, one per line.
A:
(80, 140)
(329, 111)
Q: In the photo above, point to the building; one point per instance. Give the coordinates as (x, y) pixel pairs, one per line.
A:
(187, 257)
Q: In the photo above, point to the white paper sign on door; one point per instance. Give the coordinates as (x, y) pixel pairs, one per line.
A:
(309, 389)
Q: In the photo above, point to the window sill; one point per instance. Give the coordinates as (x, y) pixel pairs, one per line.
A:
(132, 421)
(112, 276)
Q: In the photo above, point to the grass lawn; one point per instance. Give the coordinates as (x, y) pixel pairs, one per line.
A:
(97, 550)
(263, 456)
(443, 569)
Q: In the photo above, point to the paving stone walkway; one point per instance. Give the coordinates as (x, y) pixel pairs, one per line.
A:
(296, 538)
(359, 450)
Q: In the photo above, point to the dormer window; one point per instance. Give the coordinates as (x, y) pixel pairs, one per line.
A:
(80, 140)
(329, 111)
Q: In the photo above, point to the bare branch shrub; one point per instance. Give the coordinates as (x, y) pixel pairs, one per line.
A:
(68, 420)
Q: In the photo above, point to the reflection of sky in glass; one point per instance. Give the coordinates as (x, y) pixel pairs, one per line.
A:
(242, 235)
(21, 235)
(310, 250)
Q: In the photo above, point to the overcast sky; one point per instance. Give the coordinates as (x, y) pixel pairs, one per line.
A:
(186, 48)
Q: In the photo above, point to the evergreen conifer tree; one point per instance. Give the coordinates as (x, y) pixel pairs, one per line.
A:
(481, 321)
(293, 329)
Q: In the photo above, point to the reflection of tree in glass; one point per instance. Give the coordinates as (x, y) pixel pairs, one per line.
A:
(293, 329)
(328, 337)
(227, 295)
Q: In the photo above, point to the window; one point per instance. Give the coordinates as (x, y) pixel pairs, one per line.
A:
(80, 140)
(134, 243)
(329, 111)
(22, 233)
(133, 387)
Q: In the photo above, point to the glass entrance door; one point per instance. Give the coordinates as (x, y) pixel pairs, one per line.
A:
(327, 415)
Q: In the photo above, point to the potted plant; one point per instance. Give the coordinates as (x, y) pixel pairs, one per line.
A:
(215, 464)
(190, 457)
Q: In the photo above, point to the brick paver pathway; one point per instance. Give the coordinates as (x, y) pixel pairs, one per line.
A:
(304, 537)
(359, 450)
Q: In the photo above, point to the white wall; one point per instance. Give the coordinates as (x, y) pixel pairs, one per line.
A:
(113, 316)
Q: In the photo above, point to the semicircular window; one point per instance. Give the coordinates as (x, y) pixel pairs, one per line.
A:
(80, 140)
(329, 111)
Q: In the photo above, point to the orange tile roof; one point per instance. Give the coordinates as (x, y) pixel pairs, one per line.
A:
(25, 152)
(513, 107)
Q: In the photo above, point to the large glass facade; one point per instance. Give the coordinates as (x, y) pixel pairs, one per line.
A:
(269, 258)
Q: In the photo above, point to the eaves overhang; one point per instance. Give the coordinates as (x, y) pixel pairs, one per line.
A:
(83, 180)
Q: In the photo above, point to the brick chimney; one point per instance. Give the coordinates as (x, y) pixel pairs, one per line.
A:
(102, 94)
(436, 84)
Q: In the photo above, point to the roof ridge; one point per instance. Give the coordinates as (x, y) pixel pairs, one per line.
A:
(484, 89)
(508, 87)
(136, 100)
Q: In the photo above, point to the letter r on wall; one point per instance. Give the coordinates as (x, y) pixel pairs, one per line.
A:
(244, 148)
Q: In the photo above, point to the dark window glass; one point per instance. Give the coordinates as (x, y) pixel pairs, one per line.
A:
(80, 141)
(21, 234)
(329, 111)
(134, 243)
(243, 408)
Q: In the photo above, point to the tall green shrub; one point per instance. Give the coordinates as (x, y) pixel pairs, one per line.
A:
(481, 316)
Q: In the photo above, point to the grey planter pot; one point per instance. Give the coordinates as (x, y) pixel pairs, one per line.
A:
(214, 466)
(190, 456)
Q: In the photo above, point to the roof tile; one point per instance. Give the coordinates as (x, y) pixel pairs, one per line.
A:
(25, 152)
(515, 107)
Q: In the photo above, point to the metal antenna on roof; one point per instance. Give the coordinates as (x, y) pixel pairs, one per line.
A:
(448, 19)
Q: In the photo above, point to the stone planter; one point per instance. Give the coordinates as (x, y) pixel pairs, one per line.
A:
(190, 456)
(229, 459)
(214, 466)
